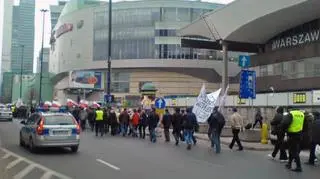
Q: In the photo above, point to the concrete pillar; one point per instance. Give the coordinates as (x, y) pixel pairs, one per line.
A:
(225, 77)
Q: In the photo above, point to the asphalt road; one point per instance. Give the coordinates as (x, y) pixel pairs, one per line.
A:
(128, 158)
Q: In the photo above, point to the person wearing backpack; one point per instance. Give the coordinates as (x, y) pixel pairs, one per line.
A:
(216, 123)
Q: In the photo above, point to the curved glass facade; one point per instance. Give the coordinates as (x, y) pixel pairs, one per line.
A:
(147, 33)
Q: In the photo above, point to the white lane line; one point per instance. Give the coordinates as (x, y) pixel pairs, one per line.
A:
(59, 175)
(46, 175)
(13, 163)
(24, 172)
(108, 164)
(6, 156)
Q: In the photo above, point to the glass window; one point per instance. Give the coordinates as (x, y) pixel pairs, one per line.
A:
(183, 14)
(59, 120)
(169, 14)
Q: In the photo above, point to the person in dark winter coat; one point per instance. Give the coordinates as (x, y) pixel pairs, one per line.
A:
(216, 123)
(113, 122)
(190, 123)
(76, 114)
(91, 118)
(177, 125)
(124, 119)
(280, 133)
(315, 137)
(258, 119)
(153, 120)
(166, 122)
(142, 124)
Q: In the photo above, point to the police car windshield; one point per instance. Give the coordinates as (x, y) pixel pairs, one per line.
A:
(58, 120)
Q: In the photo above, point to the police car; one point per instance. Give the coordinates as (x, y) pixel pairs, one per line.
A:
(50, 129)
(5, 113)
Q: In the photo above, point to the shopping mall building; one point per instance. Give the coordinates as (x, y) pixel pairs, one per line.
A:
(145, 48)
(285, 37)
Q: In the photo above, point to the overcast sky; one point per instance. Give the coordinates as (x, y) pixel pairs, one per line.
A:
(44, 4)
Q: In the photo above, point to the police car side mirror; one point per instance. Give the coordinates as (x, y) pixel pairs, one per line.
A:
(23, 122)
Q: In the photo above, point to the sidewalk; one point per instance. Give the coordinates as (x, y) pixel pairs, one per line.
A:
(246, 145)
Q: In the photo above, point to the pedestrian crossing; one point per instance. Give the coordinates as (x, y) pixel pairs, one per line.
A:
(13, 166)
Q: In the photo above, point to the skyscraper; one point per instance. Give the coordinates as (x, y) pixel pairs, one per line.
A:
(23, 34)
(55, 11)
(6, 38)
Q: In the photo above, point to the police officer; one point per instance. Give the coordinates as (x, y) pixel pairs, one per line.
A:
(293, 123)
(99, 122)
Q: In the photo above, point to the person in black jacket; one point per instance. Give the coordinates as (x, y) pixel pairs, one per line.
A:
(280, 133)
(153, 121)
(258, 119)
(91, 118)
(113, 122)
(166, 122)
(315, 137)
(142, 124)
(189, 125)
(176, 124)
(216, 123)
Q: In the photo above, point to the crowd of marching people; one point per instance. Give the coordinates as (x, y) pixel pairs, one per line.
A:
(289, 128)
(135, 122)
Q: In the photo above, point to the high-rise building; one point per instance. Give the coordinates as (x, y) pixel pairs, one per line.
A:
(6, 36)
(23, 36)
(55, 11)
(45, 61)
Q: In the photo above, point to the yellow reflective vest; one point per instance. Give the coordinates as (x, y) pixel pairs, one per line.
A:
(99, 115)
(297, 121)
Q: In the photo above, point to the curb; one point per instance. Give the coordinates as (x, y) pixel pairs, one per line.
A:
(244, 147)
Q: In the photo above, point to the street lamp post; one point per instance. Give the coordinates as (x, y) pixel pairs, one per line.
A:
(41, 58)
(109, 54)
(21, 69)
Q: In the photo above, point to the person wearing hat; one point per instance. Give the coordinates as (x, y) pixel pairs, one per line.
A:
(236, 125)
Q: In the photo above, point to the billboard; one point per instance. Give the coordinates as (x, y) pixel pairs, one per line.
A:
(85, 79)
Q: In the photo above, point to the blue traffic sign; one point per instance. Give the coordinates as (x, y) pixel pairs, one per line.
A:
(107, 98)
(247, 84)
(244, 61)
(160, 103)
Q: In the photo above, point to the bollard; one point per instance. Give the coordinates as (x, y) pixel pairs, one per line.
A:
(264, 134)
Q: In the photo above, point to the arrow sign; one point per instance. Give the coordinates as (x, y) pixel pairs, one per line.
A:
(244, 61)
(160, 103)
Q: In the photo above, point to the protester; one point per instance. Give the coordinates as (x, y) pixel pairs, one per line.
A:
(143, 124)
(216, 123)
(189, 125)
(113, 122)
(280, 133)
(153, 120)
(135, 122)
(91, 118)
(83, 118)
(124, 122)
(315, 138)
(236, 125)
(166, 122)
(258, 119)
(176, 124)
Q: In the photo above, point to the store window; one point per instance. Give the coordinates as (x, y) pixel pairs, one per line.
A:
(120, 82)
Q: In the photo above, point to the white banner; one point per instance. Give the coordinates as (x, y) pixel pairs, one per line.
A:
(222, 100)
(205, 104)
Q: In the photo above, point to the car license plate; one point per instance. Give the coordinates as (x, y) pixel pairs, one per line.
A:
(60, 133)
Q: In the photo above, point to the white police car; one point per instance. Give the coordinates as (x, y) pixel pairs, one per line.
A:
(50, 130)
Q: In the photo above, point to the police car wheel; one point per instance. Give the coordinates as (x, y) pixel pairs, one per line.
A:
(22, 144)
(31, 146)
(74, 149)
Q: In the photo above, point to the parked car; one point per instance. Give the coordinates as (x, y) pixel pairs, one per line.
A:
(5, 113)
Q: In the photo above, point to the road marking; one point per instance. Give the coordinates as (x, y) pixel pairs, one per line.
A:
(108, 164)
(46, 175)
(6, 156)
(61, 176)
(24, 172)
(13, 163)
